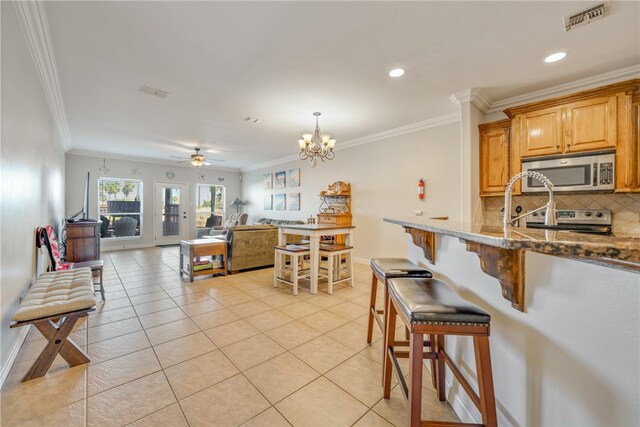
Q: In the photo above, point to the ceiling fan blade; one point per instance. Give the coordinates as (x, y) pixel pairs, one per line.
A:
(182, 157)
(183, 161)
(207, 163)
(216, 160)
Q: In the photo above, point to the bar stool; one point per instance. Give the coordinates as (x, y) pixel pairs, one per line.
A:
(384, 269)
(297, 254)
(334, 253)
(429, 306)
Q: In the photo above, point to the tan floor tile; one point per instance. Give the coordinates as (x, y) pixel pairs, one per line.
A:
(191, 298)
(395, 410)
(348, 310)
(113, 329)
(323, 300)
(252, 351)
(68, 416)
(218, 293)
(181, 349)
(118, 346)
(143, 290)
(201, 307)
(374, 351)
(236, 402)
(269, 418)
(371, 419)
(323, 321)
(354, 336)
(280, 300)
(148, 297)
(171, 416)
(323, 353)
(292, 334)
(250, 308)
(321, 403)
(115, 294)
(162, 317)
(110, 304)
(269, 320)
(130, 402)
(215, 318)
(112, 373)
(299, 309)
(360, 377)
(152, 307)
(111, 316)
(40, 396)
(171, 331)
(279, 377)
(231, 333)
(195, 375)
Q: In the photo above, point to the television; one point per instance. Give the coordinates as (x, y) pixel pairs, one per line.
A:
(83, 214)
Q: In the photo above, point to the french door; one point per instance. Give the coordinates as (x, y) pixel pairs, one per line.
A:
(171, 219)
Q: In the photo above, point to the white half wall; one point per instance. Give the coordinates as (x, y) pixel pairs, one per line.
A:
(384, 179)
(32, 176)
(149, 174)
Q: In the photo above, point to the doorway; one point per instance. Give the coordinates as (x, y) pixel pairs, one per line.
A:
(170, 211)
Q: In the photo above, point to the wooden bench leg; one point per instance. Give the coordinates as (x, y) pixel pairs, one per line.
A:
(59, 343)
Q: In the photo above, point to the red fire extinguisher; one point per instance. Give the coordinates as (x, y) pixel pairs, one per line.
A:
(421, 189)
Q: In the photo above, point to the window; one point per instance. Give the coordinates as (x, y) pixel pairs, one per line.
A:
(120, 207)
(205, 194)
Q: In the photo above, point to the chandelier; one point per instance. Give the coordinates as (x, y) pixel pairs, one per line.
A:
(316, 145)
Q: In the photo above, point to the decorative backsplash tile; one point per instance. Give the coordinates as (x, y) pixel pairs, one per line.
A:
(625, 208)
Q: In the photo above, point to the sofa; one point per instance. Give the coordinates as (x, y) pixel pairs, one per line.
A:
(251, 246)
(277, 221)
(217, 230)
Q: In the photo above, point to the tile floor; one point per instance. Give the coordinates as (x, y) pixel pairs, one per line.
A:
(225, 351)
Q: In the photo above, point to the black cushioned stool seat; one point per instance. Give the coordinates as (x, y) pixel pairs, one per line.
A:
(428, 307)
(431, 300)
(384, 269)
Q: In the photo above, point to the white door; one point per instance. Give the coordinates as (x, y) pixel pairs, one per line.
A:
(171, 220)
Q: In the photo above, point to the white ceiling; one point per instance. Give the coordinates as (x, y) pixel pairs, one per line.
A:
(281, 61)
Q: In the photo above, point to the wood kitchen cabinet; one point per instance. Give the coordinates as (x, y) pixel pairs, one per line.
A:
(541, 132)
(494, 157)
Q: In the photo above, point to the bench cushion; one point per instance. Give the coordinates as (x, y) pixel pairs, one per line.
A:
(57, 292)
(397, 267)
(431, 300)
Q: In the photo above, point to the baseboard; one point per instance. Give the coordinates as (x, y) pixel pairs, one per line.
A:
(125, 247)
(13, 354)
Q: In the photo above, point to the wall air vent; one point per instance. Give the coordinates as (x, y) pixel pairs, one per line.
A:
(155, 92)
(584, 17)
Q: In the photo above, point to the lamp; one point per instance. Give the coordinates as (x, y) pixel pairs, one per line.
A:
(237, 203)
(316, 145)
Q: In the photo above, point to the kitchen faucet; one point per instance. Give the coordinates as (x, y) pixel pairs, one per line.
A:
(550, 207)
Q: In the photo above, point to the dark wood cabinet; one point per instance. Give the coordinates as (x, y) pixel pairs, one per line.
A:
(83, 241)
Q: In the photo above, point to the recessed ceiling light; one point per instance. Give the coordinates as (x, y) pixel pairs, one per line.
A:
(396, 72)
(555, 57)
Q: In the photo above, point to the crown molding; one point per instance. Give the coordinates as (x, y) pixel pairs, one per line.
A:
(592, 82)
(379, 136)
(128, 158)
(476, 96)
(33, 20)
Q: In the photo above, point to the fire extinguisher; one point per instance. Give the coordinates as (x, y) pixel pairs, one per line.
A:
(421, 189)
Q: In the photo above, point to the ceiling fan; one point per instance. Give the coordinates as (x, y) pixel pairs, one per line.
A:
(197, 159)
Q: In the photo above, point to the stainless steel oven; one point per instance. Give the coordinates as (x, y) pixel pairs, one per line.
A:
(583, 173)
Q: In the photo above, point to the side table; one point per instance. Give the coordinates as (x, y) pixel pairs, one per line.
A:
(199, 248)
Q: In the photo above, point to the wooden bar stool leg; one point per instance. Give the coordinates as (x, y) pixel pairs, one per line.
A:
(485, 381)
(390, 324)
(372, 306)
(440, 367)
(434, 381)
(295, 273)
(350, 266)
(331, 274)
(416, 345)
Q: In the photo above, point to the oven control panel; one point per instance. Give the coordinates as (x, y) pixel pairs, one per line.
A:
(606, 173)
(573, 216)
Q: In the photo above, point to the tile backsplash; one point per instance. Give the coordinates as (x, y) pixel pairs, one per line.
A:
(625, 208)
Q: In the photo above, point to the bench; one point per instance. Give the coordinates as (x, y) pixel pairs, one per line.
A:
(53, 304)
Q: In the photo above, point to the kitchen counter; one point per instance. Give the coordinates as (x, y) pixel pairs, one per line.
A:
(502, 253)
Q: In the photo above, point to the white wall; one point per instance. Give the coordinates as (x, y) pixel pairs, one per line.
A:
(572, 358)
(384, 179)
(150, 173)
(32, 177)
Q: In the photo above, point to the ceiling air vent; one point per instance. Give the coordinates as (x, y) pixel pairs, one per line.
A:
(584, 17)
(253, 120)
(155, 92)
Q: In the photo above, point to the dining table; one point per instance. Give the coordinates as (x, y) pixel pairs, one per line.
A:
(315, 232)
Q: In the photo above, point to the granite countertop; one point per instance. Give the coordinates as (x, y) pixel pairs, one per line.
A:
(624, 252)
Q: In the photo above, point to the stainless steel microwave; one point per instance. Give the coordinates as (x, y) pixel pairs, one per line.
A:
(582, 173)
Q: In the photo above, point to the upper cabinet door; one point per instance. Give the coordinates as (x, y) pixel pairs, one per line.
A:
(541, 132)
(494, 158)
(591, 125)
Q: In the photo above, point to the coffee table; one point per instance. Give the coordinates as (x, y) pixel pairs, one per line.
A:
(198, 248)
